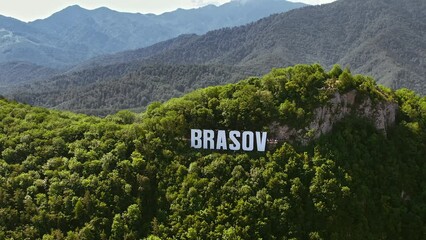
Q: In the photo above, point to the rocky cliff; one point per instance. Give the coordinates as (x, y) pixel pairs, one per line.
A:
(353, 103)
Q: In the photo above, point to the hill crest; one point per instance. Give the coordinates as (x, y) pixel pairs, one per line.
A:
(135, 176)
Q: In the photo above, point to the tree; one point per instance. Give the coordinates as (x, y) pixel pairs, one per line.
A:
(118, 228)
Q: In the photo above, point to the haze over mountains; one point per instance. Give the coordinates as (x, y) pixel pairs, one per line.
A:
(76, 34)
(382, 38)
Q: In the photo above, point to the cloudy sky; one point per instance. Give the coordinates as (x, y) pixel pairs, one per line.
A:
(29, 10)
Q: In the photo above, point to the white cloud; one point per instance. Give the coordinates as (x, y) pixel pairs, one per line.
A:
(313, 2)
(200, 3)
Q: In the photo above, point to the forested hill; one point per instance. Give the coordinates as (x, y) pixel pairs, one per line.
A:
(135, 176)
(105, 90)
(385, 39)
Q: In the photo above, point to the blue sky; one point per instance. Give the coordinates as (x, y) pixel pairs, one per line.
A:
(26, 10)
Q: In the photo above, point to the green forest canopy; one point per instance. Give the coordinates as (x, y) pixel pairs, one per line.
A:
(133, 176)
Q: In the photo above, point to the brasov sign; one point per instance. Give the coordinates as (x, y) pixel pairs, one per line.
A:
(232, 140)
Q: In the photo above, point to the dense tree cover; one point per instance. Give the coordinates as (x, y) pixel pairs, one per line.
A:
(128, 176)
(106, 90)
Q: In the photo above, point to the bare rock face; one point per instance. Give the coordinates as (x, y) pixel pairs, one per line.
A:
(381, 113)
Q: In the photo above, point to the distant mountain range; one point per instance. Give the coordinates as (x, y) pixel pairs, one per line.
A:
(385, 39)
(76, 34)
(382, 38)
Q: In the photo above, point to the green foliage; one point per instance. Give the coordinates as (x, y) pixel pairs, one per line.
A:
(68, 174)
(128, 176)
(106, 90)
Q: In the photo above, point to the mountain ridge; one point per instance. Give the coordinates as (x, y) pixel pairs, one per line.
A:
(383, 39)
(82, 33)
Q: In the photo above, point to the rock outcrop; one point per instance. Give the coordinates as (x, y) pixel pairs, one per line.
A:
(381, 113)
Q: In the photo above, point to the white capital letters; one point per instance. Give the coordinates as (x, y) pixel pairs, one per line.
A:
(248, 141)
(208, 139)
(221, 140)
(261, 141)
(196, 138)
(232, 140)
(235, 143)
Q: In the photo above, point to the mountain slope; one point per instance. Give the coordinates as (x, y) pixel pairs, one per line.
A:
(128, 176)
(76, 34)
(384, 39)
(23, 72)
(124, 86)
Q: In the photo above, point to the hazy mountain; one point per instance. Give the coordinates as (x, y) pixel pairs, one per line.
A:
(22, 42)
(76, 34)
(384, 39)
(22, 72)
